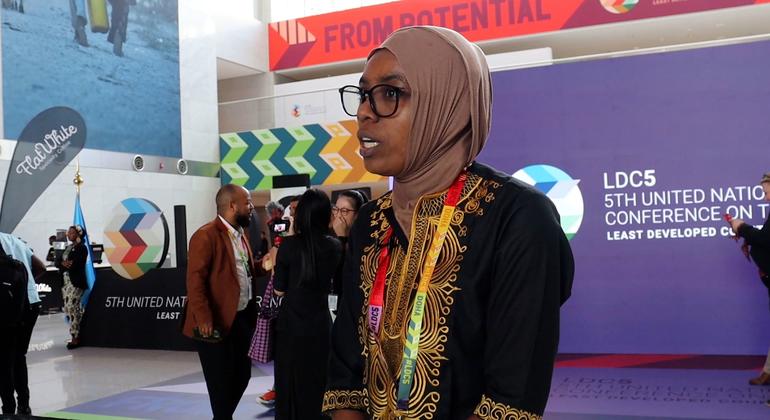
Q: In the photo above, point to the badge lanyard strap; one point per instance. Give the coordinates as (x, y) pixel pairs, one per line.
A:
(242, 254)
(376, 300)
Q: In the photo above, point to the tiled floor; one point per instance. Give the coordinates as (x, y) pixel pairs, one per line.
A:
(100, 383)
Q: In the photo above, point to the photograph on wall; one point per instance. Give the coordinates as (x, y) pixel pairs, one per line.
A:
(116, 62)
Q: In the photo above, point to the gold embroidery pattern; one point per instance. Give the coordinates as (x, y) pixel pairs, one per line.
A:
(384, 358)
(473, 205)
(368, 272)
(490, 410)
(341, 399)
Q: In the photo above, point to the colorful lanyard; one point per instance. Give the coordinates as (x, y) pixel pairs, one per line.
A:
(241, 251)
(376, 299)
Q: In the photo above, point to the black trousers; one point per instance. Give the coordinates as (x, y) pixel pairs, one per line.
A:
(119, 20)
(13, 360)
(227, 366)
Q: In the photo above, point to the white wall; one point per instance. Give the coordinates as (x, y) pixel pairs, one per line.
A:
(293, 9)
(318, 100)
(105, 188)
(241, 38)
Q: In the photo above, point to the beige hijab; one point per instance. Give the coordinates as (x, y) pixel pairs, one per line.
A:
(452, 99)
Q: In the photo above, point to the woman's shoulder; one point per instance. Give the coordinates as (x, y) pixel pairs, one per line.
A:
(511, 194)
(288, 241)
(504, 182)
(333, 241)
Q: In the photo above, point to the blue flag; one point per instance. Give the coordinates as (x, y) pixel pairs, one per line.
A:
(90, 272)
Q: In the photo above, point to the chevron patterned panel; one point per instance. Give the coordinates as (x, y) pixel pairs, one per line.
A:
(327, 152)
(136, 238)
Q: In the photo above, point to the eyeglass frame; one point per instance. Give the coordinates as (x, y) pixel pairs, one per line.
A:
(342, 210)
(364, 93)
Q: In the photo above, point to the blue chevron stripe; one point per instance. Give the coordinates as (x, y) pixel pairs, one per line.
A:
(132, 222)
(245, 161)
(313, 155)
(223, 149)
(279, 158)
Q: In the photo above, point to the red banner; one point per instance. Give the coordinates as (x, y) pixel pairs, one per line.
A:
(351, 34)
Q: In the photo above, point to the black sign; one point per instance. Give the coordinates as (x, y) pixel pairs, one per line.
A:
(145, 313)
(46, 146)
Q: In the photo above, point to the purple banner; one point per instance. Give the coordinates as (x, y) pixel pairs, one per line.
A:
(643, 156)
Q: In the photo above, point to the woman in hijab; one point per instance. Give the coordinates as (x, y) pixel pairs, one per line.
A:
(453, 281)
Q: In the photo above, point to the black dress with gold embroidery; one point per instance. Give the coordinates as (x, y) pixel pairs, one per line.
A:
(491, 325)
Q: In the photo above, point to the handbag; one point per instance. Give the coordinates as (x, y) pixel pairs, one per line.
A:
(261, 349)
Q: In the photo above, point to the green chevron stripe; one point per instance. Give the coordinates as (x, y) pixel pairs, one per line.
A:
(270, 144)
(295, 156)
(244, 162)
(235, 175)
(267, 170)
(236, 147)
(146, 266)
(301, 134)
(150, 253)
(301, 165)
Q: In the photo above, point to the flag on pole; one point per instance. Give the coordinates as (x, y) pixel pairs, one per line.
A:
(90, 272)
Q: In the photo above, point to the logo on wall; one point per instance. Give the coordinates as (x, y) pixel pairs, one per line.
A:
(136, 238)
(561, 189)
(295, 111)
(619, 6)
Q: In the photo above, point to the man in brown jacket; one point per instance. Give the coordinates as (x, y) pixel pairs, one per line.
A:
(221, 311)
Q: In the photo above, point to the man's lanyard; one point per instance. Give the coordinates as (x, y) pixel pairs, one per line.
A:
(241, 249)
(377, 296)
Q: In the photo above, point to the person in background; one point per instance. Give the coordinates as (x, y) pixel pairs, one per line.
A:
(277, 225)
(305, 266)
(262, 244)
(13, 351)
(758, 241)
(72, 266)
(79, 20)
(289, 214)
(255, 233)
(119, 25)
(221, 310)
(275, 217)
(293, 203)
(344, 213)
(51, 255)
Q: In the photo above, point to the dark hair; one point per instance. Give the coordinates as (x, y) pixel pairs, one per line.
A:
(358, 198)
(311, 222)
(80, 231)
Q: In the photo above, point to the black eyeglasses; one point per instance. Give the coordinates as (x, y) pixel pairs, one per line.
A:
(383, 99)
(342, 210)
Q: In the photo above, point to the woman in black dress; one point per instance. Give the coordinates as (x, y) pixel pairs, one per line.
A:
(453, 281)
(305, 267)
(72, 265)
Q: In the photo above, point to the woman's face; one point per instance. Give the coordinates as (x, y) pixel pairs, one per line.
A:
(345, 210)
(384, 141)
(72, 234)
(766, 189)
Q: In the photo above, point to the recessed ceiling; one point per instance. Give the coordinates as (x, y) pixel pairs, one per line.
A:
(227, 69)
